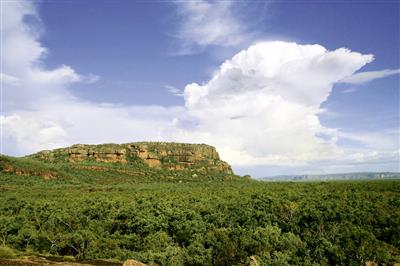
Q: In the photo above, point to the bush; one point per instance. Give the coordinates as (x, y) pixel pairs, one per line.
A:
(7, 253)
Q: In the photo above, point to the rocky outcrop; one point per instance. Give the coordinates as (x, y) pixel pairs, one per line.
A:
(101, 153)
(133, 263)
(254, 261)
(163, 155)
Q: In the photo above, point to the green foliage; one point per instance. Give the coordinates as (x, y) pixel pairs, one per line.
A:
(108, 214)
(30, 167)
(7, 253)
(93, 172)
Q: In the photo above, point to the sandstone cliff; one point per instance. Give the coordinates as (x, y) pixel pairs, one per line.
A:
(160, 155)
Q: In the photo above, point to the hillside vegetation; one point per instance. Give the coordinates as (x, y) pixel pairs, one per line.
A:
(133, 163)
(196, 215)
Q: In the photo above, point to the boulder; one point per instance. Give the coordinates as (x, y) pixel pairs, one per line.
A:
(133, 263)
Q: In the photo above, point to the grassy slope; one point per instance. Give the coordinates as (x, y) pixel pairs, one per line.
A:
(103, 173)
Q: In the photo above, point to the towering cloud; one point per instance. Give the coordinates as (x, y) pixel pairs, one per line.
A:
(262, 106)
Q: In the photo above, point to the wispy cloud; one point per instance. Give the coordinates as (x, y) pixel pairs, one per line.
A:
(174, 91)
(10, 80)
(90, 79)
(212, 23)
(364, 77)
(349, 90)
(385, 139)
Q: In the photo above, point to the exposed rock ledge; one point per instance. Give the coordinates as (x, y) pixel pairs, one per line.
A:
(173, 156)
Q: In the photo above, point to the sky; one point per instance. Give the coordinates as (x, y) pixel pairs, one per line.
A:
(278, 87)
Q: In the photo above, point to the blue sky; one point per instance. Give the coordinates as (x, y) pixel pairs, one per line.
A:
(119, 57)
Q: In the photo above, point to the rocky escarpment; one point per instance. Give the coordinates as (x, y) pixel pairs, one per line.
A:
(163, 155)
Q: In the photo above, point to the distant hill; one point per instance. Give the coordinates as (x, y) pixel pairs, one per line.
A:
(138, 161)
(340, 176)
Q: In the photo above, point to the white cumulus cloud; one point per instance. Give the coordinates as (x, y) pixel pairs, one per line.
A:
(25, 79)
(262, 106)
